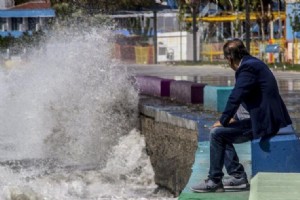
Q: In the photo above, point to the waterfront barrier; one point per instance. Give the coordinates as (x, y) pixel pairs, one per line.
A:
(171, 141)
(177, 142)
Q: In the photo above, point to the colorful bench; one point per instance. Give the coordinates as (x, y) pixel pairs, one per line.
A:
(215, 97)
(153, 86)
(187, 92)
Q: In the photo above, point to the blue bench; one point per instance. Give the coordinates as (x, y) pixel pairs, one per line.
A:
(279, 153)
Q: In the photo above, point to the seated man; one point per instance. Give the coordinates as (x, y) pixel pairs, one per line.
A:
(238, 131)
(256, 89)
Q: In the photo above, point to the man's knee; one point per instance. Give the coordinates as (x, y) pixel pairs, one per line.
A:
(215, 132)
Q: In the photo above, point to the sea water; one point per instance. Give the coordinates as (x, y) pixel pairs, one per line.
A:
(68, 124)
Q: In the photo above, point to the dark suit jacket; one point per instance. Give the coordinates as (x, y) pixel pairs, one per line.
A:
(256, 89)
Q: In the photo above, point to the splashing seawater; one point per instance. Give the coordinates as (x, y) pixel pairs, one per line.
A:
(67, 119)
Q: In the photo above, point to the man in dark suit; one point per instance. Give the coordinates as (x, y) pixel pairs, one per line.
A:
(257, 91)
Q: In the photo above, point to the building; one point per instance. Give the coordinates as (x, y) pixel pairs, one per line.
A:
(28, 17)
(6, 4)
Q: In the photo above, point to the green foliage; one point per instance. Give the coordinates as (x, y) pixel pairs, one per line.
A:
(25, 41)
(65, 8)
(294, 18)
(17, 2)
(5, 42)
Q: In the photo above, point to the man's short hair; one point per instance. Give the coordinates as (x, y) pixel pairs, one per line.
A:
(235, 49)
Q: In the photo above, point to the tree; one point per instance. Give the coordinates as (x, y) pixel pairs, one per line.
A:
(194, 6)
(295, 25)
(91, 7)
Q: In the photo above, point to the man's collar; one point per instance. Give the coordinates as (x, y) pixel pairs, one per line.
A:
(240, 62)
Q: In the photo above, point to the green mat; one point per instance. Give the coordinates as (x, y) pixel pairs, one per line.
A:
(215, 196)
(275, 186)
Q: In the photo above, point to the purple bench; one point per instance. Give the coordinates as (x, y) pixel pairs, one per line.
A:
(187, 92)
(153, 86)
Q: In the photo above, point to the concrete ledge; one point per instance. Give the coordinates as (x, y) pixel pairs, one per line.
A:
(171, 134)
(215, 97)
(180, 116)
(172, 152)
(154, 86)
(169, 114)
(187, 92)
(276, 154)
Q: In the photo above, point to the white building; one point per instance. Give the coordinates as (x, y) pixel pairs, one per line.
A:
(27, 17)
(6, 4)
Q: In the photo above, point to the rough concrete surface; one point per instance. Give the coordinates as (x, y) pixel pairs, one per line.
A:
(172, 152)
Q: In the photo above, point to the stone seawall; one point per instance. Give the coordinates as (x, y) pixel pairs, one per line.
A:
(171, 143)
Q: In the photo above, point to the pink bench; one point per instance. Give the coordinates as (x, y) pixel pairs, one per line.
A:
(153, 86)
(187, 92)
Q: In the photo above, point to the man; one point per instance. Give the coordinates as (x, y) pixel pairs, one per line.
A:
(256, 89)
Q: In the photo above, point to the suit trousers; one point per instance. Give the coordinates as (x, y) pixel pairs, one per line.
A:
(222, 151)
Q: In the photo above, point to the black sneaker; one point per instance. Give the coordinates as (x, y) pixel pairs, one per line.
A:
(236, 183)
(208, 186)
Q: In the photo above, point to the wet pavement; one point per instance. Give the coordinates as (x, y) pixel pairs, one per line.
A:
(288, 81)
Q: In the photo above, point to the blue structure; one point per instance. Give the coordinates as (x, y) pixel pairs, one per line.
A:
(17, 20)
(172, 4)
(276, 154)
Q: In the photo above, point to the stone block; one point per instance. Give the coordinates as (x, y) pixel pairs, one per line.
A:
(153, 86)
(276, 154)
(271, 186)
(215, 97)
(187, 92)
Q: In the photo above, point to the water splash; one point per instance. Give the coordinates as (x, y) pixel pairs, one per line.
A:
(62, 116)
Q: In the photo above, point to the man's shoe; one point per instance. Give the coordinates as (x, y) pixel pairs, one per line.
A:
(236, 183)
(208, 186)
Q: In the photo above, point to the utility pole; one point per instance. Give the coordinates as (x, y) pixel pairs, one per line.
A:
(155, 35)
(248, 23)
(194, 13)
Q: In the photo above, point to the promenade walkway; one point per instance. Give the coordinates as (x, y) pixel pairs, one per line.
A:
(288, 82)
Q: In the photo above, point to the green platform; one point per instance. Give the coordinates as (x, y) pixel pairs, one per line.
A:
(275, 186)
(200, 171)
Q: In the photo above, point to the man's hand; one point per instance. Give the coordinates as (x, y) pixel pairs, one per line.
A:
(232, 120)
(216, 124)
